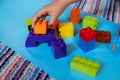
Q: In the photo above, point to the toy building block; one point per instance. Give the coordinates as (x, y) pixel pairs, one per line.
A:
(87, 34)
(66, 30)
(59, 48)
(87, 39)
(56, 24)
(75, 15)
(85, 65)
(28, 23)
(115, 46)
(90, 21)
(103, 36)
(86, 46)
(34, 39)
(41, 27)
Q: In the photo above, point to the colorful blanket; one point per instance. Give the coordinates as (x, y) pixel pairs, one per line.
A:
(108, 9)
(14, 67)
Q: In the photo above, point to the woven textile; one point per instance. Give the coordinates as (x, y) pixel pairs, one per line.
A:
(108, 9)
(14, 67)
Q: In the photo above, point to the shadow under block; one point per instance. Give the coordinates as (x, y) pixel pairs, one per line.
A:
(34, 39)
(28, 23)
(41, 27)
(75, 15)
(85, 65)
(87, 39)
(59, 48)
(115, 46)
(90, 21)
(66, 30)
(103, 36)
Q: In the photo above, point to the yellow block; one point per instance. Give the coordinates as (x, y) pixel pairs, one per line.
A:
(66, 30)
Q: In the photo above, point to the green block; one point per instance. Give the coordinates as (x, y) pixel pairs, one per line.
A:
(90, 21)
(84, 65)
(28, 23)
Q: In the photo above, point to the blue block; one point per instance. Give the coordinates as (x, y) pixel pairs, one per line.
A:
(59, 48)
(115, 46)
(86, 46)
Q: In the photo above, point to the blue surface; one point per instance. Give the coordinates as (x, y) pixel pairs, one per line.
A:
(13, 33)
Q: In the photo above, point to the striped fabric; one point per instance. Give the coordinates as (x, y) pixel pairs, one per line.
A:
(108, 9)
(14, 67)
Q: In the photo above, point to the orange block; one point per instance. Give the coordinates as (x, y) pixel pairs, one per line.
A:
(56, 24)
(41, 27)
(75, 15)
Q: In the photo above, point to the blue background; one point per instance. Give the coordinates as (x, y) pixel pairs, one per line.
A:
(13, 33)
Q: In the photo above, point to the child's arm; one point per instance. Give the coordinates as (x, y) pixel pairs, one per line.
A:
(53, 9)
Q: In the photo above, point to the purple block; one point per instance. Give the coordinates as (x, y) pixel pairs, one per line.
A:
(59, 48)
(34, 39)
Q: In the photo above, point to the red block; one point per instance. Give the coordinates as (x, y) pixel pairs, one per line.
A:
(87, 34)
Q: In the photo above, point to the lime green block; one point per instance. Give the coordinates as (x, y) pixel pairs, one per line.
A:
(84, 65)
(28, 21)
(90, 21)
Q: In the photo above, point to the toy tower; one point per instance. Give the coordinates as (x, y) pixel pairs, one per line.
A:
(87, 39)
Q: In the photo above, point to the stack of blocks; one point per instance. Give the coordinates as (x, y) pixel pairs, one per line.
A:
(40, 34)
(75, 15)
(66, 30)
(28, 22)
(115, 46)
(84, 65)
(87, 39)
(59, 48)
(103, 36)
(90, 21)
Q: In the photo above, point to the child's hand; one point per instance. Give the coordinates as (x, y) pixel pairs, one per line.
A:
(53, 9)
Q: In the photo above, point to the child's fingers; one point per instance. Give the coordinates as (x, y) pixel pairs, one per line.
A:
(52, 20)
(35, 18)
(38, 15)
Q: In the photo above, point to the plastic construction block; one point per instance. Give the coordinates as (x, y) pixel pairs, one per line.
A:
(85, 65)
(87, 34)
(115, 46)
(86, 46)
(56, 24)
(34, 39)
(41, 27)
(59, 48)
(103, 36)
(75, 15)
(90, 21)
(28, 23)
(66, 30)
